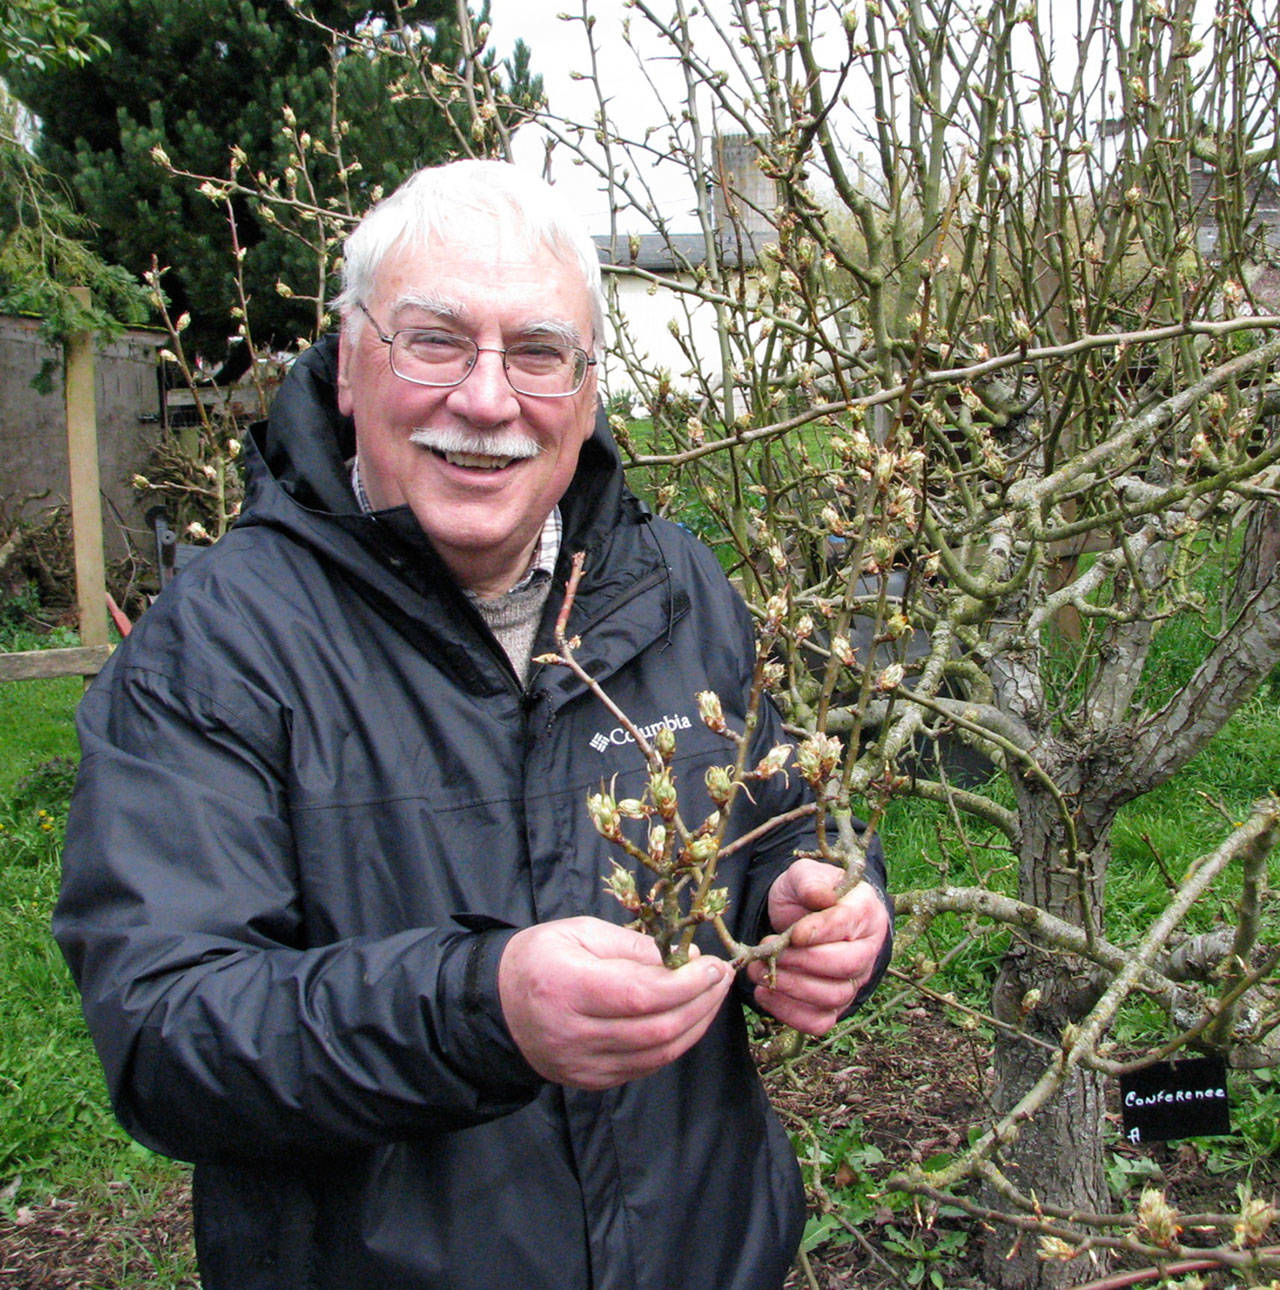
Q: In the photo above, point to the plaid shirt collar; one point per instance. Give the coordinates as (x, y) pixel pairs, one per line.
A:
(543, 562)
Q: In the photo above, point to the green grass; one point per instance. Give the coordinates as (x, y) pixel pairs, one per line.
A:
(1155, 837)
(52, 1088)
(57, 1134)
(36, 725)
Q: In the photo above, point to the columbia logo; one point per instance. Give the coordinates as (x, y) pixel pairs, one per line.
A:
(603, 740)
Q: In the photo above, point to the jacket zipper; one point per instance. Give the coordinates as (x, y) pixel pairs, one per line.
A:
(647, 583)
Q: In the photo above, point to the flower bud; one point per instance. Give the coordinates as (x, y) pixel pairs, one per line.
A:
(773, 674)
(621, 885)
(719, 781)
(702, 849)
(657, 843)
(603, 811)
(710, 711)
(1256, 1218)
(1157, 1219)
(663, 792)
(773, 761)
(817, 757)
(774, 611)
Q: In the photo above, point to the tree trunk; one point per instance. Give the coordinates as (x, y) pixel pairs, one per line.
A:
(1057, 1158)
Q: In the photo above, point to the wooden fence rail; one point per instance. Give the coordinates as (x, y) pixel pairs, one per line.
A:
(40, 664)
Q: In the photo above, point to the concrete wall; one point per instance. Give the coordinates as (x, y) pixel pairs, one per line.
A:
(33, 434)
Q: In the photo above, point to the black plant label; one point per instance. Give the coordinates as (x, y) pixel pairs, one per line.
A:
(1181, 1099)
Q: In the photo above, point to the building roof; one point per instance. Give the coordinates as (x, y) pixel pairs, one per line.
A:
(676, 252)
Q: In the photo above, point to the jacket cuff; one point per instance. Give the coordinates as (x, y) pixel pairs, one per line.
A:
(482, 1042)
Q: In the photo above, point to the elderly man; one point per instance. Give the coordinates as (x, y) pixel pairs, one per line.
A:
(331, 893)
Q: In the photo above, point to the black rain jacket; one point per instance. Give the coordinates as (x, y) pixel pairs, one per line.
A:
(314, 801)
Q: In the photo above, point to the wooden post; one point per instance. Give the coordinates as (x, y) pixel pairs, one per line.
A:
(86, 505)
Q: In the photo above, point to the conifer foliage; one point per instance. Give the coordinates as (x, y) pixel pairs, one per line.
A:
(200, 82)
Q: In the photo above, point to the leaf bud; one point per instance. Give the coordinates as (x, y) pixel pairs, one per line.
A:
(1054, 1247)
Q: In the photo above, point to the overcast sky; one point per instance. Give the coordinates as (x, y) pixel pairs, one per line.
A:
(559, 48)
(637, 96)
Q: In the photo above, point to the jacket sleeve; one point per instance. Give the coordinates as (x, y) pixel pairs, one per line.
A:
(219, 1029)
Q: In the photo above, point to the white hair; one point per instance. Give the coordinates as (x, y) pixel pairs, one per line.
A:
(447, 202)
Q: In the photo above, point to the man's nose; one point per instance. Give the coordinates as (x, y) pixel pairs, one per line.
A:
(486, 396)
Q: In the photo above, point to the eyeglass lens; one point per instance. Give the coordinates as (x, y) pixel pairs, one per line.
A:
(442, 358)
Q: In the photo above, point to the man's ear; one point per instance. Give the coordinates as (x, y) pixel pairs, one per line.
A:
(344, 382)
(592, 408)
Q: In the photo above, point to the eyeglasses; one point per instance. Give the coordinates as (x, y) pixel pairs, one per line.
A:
(427, 356)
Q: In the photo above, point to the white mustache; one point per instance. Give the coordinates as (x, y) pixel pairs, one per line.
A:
(507, 444)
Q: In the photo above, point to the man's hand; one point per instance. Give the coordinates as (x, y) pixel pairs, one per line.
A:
(590, 1005)
(833, 946)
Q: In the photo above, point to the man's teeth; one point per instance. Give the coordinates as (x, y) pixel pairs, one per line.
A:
(477, 461)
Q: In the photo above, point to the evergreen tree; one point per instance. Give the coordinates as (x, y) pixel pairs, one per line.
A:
(201, 79)
(43, 251)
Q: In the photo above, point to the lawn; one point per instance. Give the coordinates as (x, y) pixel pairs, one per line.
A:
(58, 1139)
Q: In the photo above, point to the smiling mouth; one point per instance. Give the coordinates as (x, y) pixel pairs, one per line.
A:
(474, 460)
(473, 451)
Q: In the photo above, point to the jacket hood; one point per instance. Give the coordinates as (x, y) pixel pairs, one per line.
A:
(298, 475)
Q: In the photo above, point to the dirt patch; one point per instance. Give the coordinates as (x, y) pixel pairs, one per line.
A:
(120, 1237)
